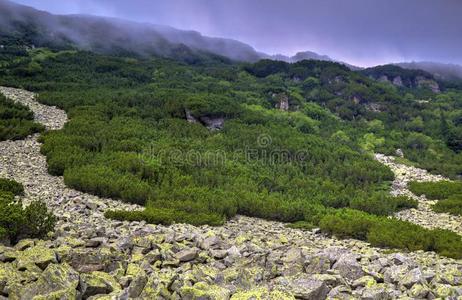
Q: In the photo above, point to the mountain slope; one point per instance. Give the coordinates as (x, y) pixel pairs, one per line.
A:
(31, 27)
(439, 70)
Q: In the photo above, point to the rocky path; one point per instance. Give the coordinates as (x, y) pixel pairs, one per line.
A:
(423, 215)
(90, 257)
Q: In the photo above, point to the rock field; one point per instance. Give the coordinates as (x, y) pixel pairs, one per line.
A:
(90, 257)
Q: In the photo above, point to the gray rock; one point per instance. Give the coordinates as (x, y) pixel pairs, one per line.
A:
(308, 288)
(348, 267)
(187, 254)
(56, 279)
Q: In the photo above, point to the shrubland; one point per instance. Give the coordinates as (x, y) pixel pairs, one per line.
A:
(128, 138)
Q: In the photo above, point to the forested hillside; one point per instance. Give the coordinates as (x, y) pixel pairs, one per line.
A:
(199, 142)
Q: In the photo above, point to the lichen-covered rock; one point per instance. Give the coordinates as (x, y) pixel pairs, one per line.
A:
(262, 294)
(308, 288)
(348, 267)
(96, 283)
(204, 291)
(39, 255)
(187, 254)
(58, 281)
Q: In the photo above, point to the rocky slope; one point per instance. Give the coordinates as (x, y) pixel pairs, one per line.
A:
(89, 257)
(423, 215)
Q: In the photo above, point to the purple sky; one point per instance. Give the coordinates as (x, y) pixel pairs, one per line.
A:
(362, 32)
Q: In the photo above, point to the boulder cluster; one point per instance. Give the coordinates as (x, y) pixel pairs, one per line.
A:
(91, 257)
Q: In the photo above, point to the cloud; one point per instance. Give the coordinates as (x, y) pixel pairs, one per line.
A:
(360, 31)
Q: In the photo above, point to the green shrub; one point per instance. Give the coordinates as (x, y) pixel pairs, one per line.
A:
(38, 220)
(6, 197)
(11, 186)
(436, 190)
(17, 222)
(405, 202)
(390, 233)
(348, 223)
(166, 217)
(16, 120)
(303, 225)
(452, 205)
(383, 205)
(399, 234)
(447, 243)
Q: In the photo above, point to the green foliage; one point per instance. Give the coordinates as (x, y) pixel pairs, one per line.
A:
(391, 233)
(128, 138)
(166, 216)
(17, 222)
(7, 185)
(303, 225)
(348, 223)
(452, 205)
(436, 190)
(16, 121)
(383, 205)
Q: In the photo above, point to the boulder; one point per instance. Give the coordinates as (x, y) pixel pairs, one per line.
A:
(308, 288)
(187, 254)
(97, 283)
(348, 267)
(58, 281)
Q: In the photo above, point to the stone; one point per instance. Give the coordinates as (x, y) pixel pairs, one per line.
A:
(410, 278)
(419, 291)
(187, 254)
(365, 281)
(38, 255)
(96, 283)
(56, 282)
(317, 265)
(204, 291)
(24, 244)
(340, 292)
(348, 267)
(308, 288)
(210, 242)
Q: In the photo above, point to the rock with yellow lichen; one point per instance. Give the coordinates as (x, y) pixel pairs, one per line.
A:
(58, 281)
(204, 291)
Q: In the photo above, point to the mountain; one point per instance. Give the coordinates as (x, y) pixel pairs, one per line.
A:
(307, 55)
(401, 77)
(441, 71)
(34, 28)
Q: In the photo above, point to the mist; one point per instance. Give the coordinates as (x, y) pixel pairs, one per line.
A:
(362, 32)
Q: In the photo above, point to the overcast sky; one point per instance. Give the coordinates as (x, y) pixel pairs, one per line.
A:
(361, 32)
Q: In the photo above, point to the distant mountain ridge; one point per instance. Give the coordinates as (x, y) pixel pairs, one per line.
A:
(30, 27)
(441, 71)
(101, 34)
(107, 35)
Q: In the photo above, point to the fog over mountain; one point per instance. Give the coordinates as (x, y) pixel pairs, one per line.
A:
(361, 32)
(439, 70)
(115, 35)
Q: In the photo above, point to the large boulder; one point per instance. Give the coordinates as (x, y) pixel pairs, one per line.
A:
(348, 267)
(58, 281)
